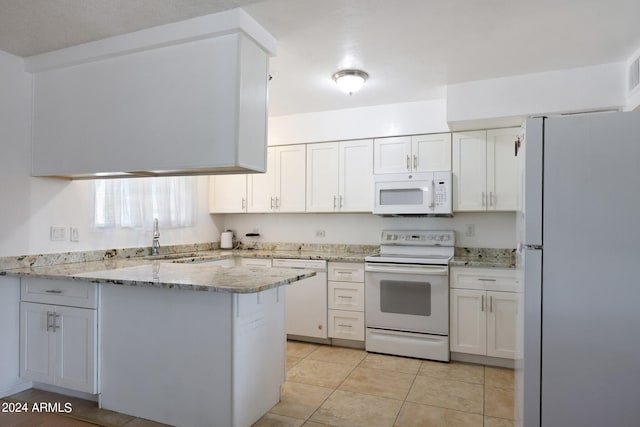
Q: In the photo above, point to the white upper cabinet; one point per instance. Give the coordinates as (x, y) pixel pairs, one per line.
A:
(228, 194)
(339, 176)
(179, 98)
(485, 175)
(420, 153)
(503, 167)
(431, 152)
(282, 187)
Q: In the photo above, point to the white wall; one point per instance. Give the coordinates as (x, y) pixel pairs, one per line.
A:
(492, 230)
(409, 118)
(506, 101)
(633, 97)
(32, 205)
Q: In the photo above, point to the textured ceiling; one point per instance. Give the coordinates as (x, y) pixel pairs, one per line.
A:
(411, 48)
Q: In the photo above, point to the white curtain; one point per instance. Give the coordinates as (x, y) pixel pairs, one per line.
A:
(135, 202)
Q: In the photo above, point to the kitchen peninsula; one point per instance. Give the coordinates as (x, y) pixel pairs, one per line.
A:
(210, 337)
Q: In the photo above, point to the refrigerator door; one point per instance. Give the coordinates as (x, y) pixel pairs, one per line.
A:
(590, 292)
(530, 217)
(529, 262)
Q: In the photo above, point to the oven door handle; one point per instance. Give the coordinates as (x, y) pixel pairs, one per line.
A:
(436, 270)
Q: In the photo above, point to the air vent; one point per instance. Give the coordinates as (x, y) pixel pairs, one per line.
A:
(634, 74)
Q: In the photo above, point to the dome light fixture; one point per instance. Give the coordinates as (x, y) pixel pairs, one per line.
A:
(350, 81)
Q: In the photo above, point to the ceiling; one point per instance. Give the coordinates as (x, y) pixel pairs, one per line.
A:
(411, 48)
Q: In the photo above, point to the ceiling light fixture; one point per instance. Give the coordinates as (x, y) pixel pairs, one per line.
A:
(350, 81)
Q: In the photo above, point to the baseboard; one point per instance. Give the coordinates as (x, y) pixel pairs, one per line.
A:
(347, 343)
(309, 339)
(16, 388)
(66, 391)
(483, 360)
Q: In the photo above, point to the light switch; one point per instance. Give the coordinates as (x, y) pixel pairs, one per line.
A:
(58, 234)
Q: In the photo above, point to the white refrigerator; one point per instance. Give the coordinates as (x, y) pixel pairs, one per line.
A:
(579, 252)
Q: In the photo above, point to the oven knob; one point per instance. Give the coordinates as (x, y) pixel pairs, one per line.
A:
(430, 237)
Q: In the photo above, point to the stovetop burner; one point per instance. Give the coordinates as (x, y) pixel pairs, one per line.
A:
(427, 247)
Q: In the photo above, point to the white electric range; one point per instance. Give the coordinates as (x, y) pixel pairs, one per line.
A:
(407, 294)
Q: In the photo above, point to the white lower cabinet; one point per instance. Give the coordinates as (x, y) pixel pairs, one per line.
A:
(58, 343)
(483, 320)
(346, 300)
(58, 346)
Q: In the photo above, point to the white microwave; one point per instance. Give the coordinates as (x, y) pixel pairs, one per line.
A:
(421, 193)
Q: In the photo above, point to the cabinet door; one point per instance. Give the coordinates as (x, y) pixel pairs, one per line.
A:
(76, 348)
(502, 169)
(431, 152)
(261, 187)
(469, 171)
(468, 321)
(227, 194)
(502, 314)
(356, 176)
(392, 155)
(290, 178)
(36, 345)
(322, 177)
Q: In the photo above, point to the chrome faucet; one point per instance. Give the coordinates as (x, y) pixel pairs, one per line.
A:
(155, 246)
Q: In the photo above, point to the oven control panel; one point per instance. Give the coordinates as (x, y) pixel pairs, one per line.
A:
(418, 237)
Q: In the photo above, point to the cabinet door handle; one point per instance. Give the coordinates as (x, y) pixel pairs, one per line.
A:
(482, 304)
(244, 203)
(56, 316)
(53, 291)
(490, 304)
(415, 162)
(335, 198)
(344, 325)
(340, 204)
(49, 324)
(408, 162)
(277, 202)
(482, 279)
(271, 202)
(483, 199)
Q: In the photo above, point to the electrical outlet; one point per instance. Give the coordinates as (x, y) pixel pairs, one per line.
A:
(58, 234)
(74, 233)
(470, 230)
(320, 233)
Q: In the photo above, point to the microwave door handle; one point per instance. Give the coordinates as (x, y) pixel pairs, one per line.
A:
(432, 202)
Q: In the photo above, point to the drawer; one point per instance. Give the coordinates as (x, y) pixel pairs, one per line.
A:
(346, 296)
(59, 292)
(348, 325)
(255, 262)
(488, 279)
(346, 271)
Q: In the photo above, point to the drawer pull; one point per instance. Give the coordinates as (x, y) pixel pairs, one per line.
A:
(53, 291)
(486, 280)
(345, 296)
(344, 326)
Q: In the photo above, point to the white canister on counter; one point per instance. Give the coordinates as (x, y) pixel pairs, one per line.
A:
(226, 240)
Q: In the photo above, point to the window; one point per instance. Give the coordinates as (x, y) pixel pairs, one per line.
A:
(135, 202)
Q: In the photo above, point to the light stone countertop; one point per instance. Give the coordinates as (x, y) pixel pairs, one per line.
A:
(167, 274)
(481, 262)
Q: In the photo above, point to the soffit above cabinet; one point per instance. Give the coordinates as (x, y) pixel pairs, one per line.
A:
(187, 98)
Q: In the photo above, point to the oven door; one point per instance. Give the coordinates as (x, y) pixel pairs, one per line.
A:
(407, 297)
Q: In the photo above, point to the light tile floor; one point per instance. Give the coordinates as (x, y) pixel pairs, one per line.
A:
(333, 386)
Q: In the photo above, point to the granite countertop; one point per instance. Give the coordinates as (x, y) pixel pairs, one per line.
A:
(189, 268)
(484, 258)
(167, 274)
